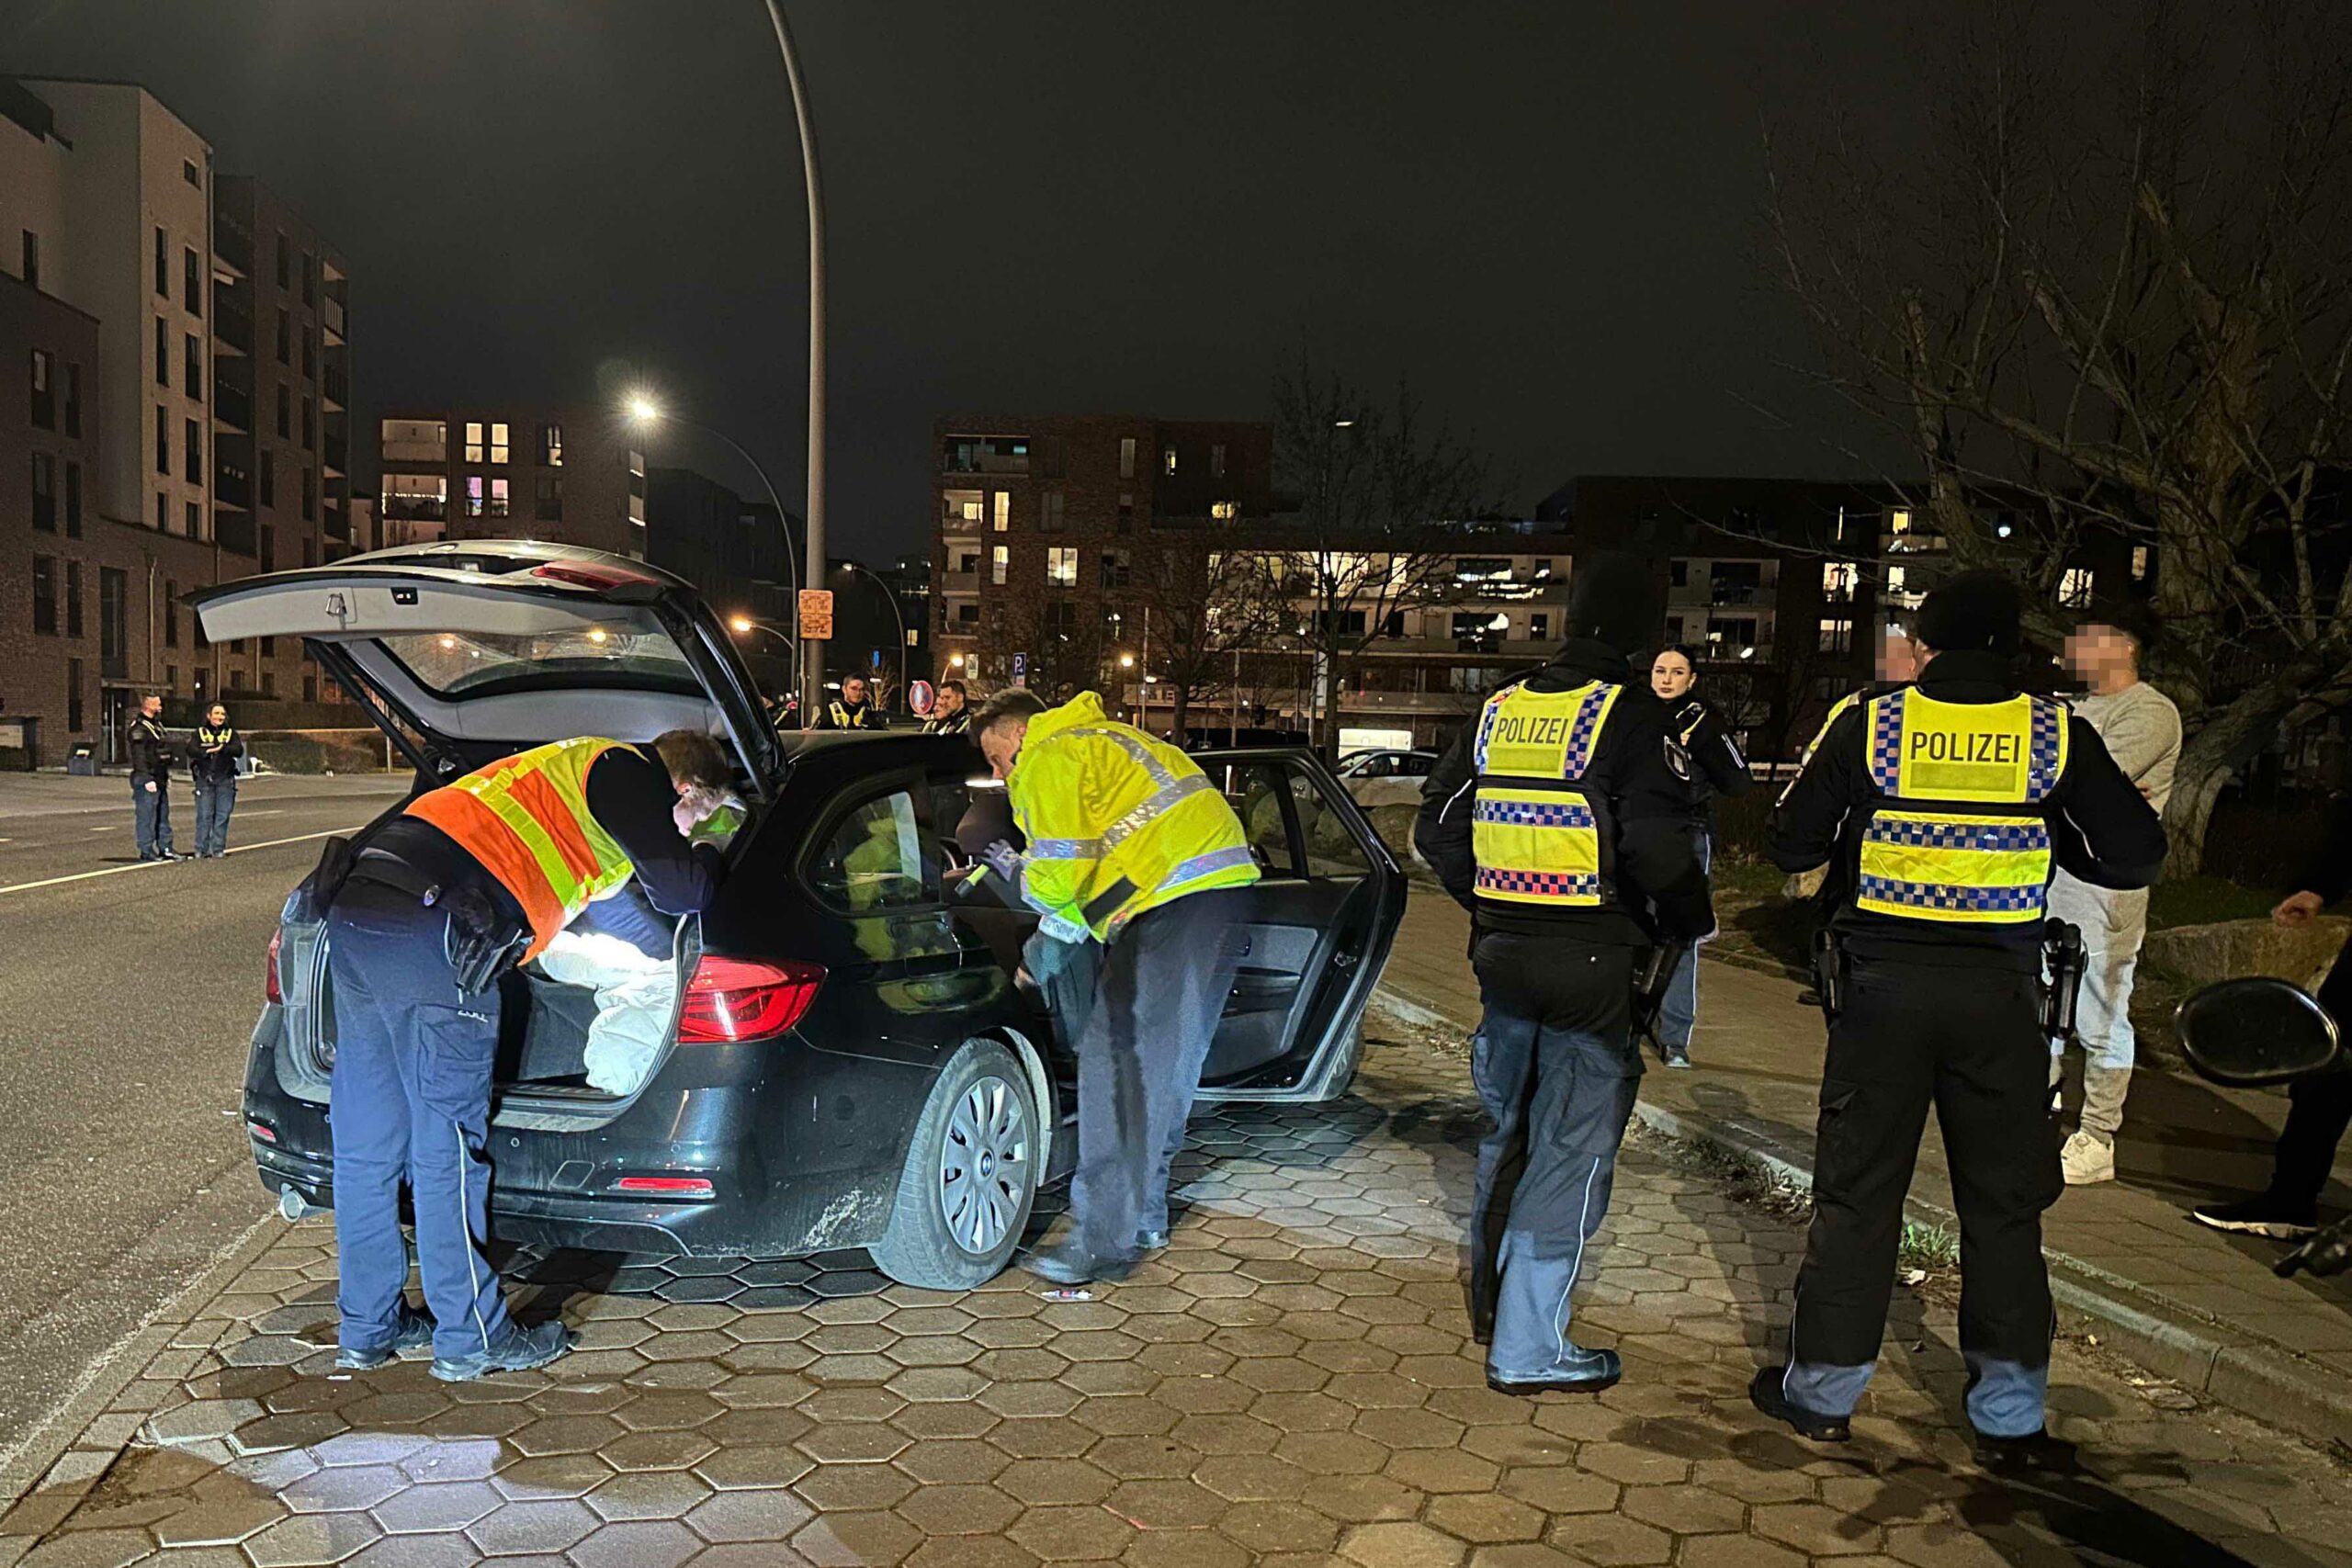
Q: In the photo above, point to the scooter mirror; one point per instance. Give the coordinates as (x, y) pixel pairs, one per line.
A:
(2256, 1031)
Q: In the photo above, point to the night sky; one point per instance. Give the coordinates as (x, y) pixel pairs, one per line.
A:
(1544, 215)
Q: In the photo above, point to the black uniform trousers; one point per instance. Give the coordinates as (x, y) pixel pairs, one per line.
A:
(2319, 1110)
(1967, 1040)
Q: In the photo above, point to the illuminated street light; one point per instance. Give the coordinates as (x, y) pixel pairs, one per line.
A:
(741, 623)
(1127, 662)
(644, 410)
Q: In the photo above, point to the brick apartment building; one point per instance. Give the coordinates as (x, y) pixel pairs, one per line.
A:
(486, 473)
(125, 331)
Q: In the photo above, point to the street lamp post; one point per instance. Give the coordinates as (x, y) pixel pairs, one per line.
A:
(812, 651)
(644, 413)
(896, 614)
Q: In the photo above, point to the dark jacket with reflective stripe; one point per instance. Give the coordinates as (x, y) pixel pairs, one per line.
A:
(1656, 869)
(2102, 828)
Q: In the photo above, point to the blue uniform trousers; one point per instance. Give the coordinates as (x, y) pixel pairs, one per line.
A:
(215, 799)
(151, 815)
(411, 1099)
(1556, 1069)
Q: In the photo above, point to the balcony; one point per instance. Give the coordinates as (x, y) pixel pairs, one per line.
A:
(232, 487)
(232, 406)
(336, 386)
(233, 245)
(336, 454)
(412, 444)
(331, 317)
(232, 329)
(417, 508)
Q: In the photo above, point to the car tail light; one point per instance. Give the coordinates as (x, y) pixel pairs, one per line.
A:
(666, 1185)
(597, 576)
(262, 1131)
(737, 998)
(270, 990)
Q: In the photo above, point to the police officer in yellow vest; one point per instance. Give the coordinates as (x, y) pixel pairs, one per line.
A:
(1130, 846)
(1525, 822)
(1947, 803)
(440, 899)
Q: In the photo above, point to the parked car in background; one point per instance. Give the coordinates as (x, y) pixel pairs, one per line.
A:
(852, 1063)
(1387, 776)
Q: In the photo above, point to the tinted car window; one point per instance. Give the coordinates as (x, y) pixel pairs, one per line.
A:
(1332, 849)
(1255, 793)
(878, 858)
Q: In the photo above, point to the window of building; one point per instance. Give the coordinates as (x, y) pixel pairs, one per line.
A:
(1127, 511)
(1837, 579)
(269, 682)
(192, 365)
(311, 495)
(1223, 510)
(498, 444)
(962, 508)
(310, 356)
(163, 514)
(191, 281)
(285, 262)
(1049, 515)
(1126, 456)
(474, 495)
(1837, 634)
(1003, 510)
(162, 351)
(269, 648)
(549, 500)
(193, 451)
(1539, 626)
(31, 271)
(72, 500)
(44, 393)
(1733, 633)
(44, 596)
(474, 446)
(965, 562)
(268, 548)
(551, 447)
(1678, 573)
(309, 425)
(45, 492)
(1217, 460)
(416, 497)
(999, 564)
(2139, 563)
(967, 615)
(1168, 461)
(195, 519)
(73, 400)
(1061, 566)
(309, 688)
(268, 478)
(2075, 587)
(285, 336)
(171, 614)
(191, 174)
(1115, 568)
(285, 413)
(163, 443)
(310, 553)
(310, 278)
(73, 695)
(501, 501)
(1900, 595)
(73, 598)
(163, 263)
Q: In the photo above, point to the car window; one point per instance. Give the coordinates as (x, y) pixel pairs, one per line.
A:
(1378, 767)
(625, 651)
(1415, 765)
(1332, 848)
(1255, 792)
(878, 859)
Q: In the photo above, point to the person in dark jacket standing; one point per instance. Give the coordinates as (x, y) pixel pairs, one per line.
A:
(1948, 804)
(212, 765)
(150, 780)
(1707, 762)
(853, 710)
(951, 712)
(1525, 822)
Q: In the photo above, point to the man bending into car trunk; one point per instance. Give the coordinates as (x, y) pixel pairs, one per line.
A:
(1129, 845)
(471, 880)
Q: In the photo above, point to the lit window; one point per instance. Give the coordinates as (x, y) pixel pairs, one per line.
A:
(1838, 581)
(1000, 563)
(1167, 460)
(473, 444)
(551, 447)
(1223, 510)
(1899, 520)
(1126, 456)
(473, 495)
(1003, 510)
(2139, 563)
(498, 499)
(1061, 566)
(2075, 587)
(1837, 634)
(498, 444)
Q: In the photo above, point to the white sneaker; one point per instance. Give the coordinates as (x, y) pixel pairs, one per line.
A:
(2086, 1158)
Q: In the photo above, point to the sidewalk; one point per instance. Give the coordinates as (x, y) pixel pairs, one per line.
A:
(2196, 1305)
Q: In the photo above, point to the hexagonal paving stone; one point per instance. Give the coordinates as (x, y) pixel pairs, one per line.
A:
(767, 1514)
(658, 1543)
(438, 1508)
(1072, 1533)
(856, 1539)
(533, 1527)
(311, 1541)
(1400, 1546)
(1041, 1481)
(959, 1509)
(649, 1495)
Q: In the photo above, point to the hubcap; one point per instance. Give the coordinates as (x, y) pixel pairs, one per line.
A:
(984, 1165)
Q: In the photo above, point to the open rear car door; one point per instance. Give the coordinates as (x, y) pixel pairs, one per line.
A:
(467, 650)
(1321, 920)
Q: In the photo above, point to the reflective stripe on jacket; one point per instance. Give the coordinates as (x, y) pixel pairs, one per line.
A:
(1118, 823)
(1533, 827)
(1960, 833)
(526, 821)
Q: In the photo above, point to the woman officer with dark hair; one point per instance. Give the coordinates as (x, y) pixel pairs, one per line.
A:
(1706, 761)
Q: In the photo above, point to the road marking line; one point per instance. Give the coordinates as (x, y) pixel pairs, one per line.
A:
(248, 815)
(150, 865)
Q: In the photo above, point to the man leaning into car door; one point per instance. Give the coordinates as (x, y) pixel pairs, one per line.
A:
(1129, 845)
(471, 880)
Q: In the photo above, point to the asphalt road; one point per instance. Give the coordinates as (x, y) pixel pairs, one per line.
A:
(128, 995)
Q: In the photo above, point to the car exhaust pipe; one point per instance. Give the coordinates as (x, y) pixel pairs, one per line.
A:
(293, 1206)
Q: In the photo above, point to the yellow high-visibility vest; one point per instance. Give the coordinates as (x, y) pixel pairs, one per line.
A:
(1961, 833)
(1533, 828)
(526, 821)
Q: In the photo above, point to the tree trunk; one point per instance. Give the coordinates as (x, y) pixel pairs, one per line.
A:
(1182, 714)
(2223, 743)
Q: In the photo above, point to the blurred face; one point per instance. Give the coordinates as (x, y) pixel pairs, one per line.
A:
(853, 689)
(1671, 675)
(215, 715)
(2102, 658)
(149, 706)
(1001, 746)
(1898, 658)
(949, 704)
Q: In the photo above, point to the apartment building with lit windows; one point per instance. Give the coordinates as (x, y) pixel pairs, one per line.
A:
(493, 473)
(128, 314)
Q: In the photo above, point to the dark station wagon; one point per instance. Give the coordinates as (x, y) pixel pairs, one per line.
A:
(850, 1062)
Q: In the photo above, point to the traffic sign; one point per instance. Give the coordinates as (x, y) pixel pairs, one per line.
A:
(919, 697)
(1020, 669)
(817, 613)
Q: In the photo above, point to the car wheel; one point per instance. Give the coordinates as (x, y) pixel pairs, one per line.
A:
(972, 1174)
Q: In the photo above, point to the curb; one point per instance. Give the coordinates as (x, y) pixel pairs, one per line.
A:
(2251, 1375)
